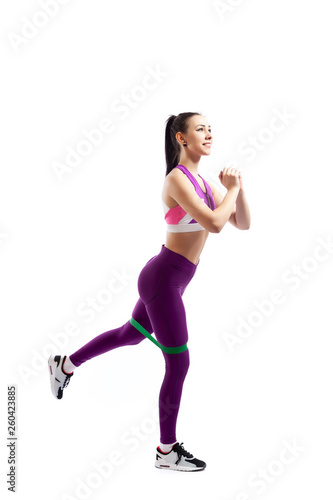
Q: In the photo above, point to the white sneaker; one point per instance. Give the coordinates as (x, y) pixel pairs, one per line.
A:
(58, 377)
(178, 459)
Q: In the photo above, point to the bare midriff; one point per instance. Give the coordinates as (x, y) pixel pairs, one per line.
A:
(189, 245)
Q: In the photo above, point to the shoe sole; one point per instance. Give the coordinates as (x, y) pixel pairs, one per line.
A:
(163, 464)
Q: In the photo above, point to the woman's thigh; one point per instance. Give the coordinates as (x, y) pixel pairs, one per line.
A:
(161, 285)
(140, 315)
(167, 317)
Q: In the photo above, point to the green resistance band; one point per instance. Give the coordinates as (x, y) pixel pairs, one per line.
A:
(169, 350)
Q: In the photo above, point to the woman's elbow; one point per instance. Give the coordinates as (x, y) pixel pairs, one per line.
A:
(246, 227)
(215, 227)
(243, 228)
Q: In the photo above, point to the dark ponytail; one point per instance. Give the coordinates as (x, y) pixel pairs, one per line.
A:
(175, 124)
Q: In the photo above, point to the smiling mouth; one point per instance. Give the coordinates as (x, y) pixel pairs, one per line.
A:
(207, 145)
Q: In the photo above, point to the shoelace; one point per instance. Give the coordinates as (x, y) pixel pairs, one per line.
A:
(66, 382)
(181, 452)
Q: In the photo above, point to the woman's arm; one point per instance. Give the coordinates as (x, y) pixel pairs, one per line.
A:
(240, 216)
(181, 190)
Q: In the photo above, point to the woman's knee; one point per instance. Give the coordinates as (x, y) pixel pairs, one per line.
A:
(178, 363)
(129, 335)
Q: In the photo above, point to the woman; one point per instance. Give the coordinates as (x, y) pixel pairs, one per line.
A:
(193, 209)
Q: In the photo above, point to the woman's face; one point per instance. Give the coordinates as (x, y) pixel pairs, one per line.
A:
(198, 137)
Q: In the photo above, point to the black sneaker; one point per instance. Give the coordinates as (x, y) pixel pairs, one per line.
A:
(58, 377)
(178, 459)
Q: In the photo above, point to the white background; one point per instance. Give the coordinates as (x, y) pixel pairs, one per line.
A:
(62, 238)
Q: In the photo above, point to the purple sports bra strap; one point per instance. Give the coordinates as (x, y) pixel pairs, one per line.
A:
(196, 184)
(209, 193)
(207, 186)
(188, 174)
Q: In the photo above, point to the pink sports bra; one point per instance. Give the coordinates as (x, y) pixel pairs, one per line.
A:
(178, 221)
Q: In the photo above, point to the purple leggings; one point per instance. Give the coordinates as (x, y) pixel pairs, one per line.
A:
(160, 309)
